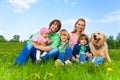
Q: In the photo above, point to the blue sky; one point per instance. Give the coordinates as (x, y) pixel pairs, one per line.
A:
(25, 17)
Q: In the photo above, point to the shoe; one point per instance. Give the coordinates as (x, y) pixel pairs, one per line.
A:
(77, 60)
(58, 62)
(38, 60)
(68, 62)
(81, 62)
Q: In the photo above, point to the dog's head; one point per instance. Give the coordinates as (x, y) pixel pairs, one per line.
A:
(98, 38)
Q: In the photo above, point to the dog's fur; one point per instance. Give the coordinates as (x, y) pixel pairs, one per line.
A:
(98, 46)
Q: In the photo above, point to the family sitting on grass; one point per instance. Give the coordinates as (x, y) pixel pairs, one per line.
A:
(64, 48)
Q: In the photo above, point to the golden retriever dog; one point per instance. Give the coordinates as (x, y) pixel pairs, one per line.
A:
(98, 46)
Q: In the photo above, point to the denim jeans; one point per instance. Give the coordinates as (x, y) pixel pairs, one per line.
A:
(99, 60)
(28, 50)
(67, 55)
(50, 55)
(83, 58)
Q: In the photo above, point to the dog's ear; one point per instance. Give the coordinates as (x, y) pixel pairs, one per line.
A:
(90, 38)
(104, 38)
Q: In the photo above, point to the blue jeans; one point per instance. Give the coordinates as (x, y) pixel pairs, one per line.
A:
(98, 60)
(83, 58)
(28, 50)
(67, 55)
(50, 55)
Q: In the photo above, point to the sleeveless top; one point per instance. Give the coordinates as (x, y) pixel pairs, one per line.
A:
(74, 40)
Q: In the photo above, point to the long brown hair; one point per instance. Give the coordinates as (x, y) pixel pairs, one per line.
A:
(80, 19)
(58, 24)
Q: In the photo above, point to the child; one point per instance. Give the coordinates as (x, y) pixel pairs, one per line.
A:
(65, 50)
(42, 39)
(81, 50)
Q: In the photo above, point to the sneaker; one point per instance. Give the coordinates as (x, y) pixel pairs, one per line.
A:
(58, 62)
(81, 62)
(77, 60)
(38, 60)
(68, 62)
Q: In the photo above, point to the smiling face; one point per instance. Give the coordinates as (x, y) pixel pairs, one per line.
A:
(54, 27)
(80, 26)
(83, 41)
(98, 38)
(64, 35)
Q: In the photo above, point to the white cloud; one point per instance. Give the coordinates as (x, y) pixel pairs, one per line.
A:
(65, 1)
(73, 3)
(20, 5)
(113, 18)
(1, 32)
(71, 22)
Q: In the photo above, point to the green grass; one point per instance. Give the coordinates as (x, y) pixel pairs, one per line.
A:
(47, 71)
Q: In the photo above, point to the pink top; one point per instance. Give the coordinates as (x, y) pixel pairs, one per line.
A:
(74, 39)
(39, 39)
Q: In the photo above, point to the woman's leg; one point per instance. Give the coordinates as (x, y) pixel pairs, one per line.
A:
(33, 54)
(89, 59)
(24, 54)
(99, 60)
(51, 54)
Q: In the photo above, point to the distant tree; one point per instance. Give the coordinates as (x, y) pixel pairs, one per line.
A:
(2, 39)
(111, 42)
(16, 38)
(118, 41)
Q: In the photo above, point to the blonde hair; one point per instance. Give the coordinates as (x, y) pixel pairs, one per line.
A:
(80, 19)
(64, 32)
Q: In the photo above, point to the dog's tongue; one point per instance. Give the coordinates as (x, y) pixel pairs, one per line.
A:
(95, 41)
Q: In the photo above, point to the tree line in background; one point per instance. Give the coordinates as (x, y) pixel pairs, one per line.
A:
(112, 43)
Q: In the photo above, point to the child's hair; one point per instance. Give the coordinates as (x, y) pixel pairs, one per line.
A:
(83, 36)
(64, 32)
(57, 22)
(44, 30)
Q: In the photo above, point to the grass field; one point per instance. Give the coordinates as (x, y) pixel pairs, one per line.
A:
(47, 71)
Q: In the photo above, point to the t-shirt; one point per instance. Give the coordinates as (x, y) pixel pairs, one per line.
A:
(54, 37)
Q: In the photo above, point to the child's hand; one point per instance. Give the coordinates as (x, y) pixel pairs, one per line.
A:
(41, 43)
(51, 41)
(77, 56)
(88, 54)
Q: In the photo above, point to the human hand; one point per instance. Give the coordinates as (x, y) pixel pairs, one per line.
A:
(77, 56)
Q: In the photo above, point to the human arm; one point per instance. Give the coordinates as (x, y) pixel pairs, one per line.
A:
(40, 47)
(75, 50)
(50, 41)
(88, 52)
(53, 37)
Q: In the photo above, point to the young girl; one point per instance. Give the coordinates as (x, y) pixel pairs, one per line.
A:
(42, 39)
(81, 50)
(65, 50)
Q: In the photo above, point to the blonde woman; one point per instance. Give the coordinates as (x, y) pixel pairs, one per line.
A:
(79, 28)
